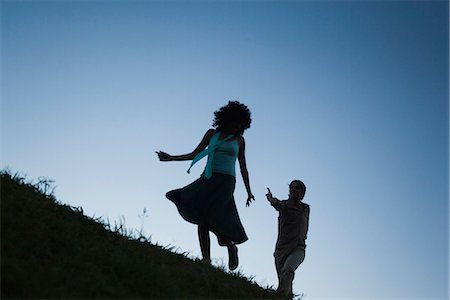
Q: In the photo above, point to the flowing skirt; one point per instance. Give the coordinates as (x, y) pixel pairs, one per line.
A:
(210, 203)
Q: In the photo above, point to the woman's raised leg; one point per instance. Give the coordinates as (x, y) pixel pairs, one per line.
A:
(233, 260)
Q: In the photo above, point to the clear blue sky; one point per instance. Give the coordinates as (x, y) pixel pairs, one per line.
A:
(350, 97)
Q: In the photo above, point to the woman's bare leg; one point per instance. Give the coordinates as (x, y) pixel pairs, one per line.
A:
(205, 243)
(233, 260)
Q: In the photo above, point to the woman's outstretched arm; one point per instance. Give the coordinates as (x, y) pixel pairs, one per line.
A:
(163, 156)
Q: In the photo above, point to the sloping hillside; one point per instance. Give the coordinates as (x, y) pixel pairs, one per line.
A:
(50, 250)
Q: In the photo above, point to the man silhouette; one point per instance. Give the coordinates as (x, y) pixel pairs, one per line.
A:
(293, 223)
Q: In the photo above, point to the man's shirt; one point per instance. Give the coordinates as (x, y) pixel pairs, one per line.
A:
(293, 223)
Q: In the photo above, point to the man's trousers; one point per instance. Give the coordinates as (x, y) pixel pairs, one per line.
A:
(286, 266)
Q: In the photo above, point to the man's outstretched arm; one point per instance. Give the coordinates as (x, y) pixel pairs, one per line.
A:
(273, 201)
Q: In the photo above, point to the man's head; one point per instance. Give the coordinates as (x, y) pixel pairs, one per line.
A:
(297, 189)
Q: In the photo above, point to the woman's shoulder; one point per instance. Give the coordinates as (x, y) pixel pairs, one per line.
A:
(210, 132)
(240, 139)
(208, 136)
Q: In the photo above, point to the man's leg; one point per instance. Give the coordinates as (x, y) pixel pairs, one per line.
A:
(205, 243)
(291, 264)
(279, 262)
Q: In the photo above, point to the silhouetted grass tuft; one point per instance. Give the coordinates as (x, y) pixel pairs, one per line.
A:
(52, 250)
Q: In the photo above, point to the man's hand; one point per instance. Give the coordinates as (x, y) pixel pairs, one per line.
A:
(271, 199)
(269, 195)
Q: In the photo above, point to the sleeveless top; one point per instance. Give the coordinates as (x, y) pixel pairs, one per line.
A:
(221, 156)
(224, 160)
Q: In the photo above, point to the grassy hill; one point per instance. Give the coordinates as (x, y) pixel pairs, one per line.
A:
(51, 250)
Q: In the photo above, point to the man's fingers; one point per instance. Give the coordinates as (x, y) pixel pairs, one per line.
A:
(269, 191)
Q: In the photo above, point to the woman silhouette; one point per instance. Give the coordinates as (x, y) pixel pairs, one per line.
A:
(209, 201)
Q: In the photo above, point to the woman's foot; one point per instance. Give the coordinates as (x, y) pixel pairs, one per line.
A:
(233, 260)
(206, 261)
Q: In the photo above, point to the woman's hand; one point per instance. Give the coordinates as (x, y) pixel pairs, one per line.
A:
(250, 198)
(163, 156)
